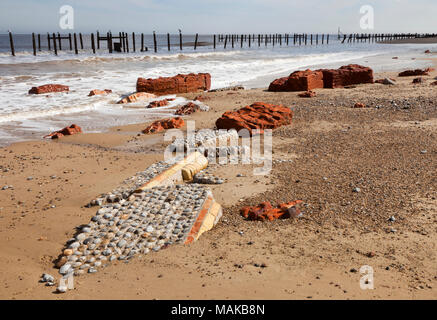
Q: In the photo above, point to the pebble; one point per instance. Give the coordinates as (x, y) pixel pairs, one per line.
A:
(65, 268)
(47, 278)
(392, 219)
(356, 190)
(61, 289)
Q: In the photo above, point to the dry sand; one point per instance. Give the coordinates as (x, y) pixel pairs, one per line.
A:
(334, 148)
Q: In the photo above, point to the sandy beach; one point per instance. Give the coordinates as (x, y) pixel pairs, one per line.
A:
(387, 150)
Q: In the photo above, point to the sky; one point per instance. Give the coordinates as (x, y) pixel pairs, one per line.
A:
(219, 16)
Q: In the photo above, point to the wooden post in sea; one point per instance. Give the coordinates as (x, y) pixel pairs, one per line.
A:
(327, 39)
(226, 41)
(69, 40)
(107, 42)
(127, 41)
(241, 38)
(54, 44)
(249, 41)
(233, 41)
(93, 45)
(155, 46)
(195, 41)
(111, 47)
(81, 41)
(48, 41)
(75, 43)
(39, 42)
(311, 39)
(133, 41)
(317, 39)
(180, 40)
(214, 41)
(33, 44)
(98, 39)
(323, 38)
(142, 42)
(59, 41)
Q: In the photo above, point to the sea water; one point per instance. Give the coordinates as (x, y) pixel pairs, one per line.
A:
(24, 116)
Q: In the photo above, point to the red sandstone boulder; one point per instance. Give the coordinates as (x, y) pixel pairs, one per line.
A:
(67, 131)
(298, 81)
(307, 94)
(434, 83)
(96, 92)
(47, 88)
(189, 108)
(259, 115)
(164, 124)
(137, 96)
(159, 103)
(346, 76)
(182, 83)
(359, 105)
(265, 211)
(417, 72)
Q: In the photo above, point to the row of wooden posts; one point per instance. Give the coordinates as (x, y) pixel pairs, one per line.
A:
(229, 39)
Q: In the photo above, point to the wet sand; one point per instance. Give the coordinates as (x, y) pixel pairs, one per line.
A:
(388, 151)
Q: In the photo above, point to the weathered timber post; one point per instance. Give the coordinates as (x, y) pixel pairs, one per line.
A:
(39, 42)
(54, 44)
(33, 44)
(59, 41)
(98, 39)
(142, 42)
(70, 42)
(195, 41)
(133, 41)
(93, 46)
(155, 46)
(75, 43)
(48, 41)
(81, 41)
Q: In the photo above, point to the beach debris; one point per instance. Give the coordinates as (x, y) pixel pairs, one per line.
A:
(137, 96)
(231, 88)
(386, 81)
(265, 211)
(205, 178)
(395, 58)
(427, 51)
(67, 131)
(159, 103)
(359, 105)
(259, 115)
(298, 81)
(418, 80)
(417, 72)
(47, 88)
(161, 125)
(201, 98)
(47, 278)
(187, 109)
(346, 76)
(356, 190)
(154, 219)
(97, 92)
(307, 94)
(181, 83)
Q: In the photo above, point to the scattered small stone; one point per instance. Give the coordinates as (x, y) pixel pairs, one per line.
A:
(356, 190)
(392, 219)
